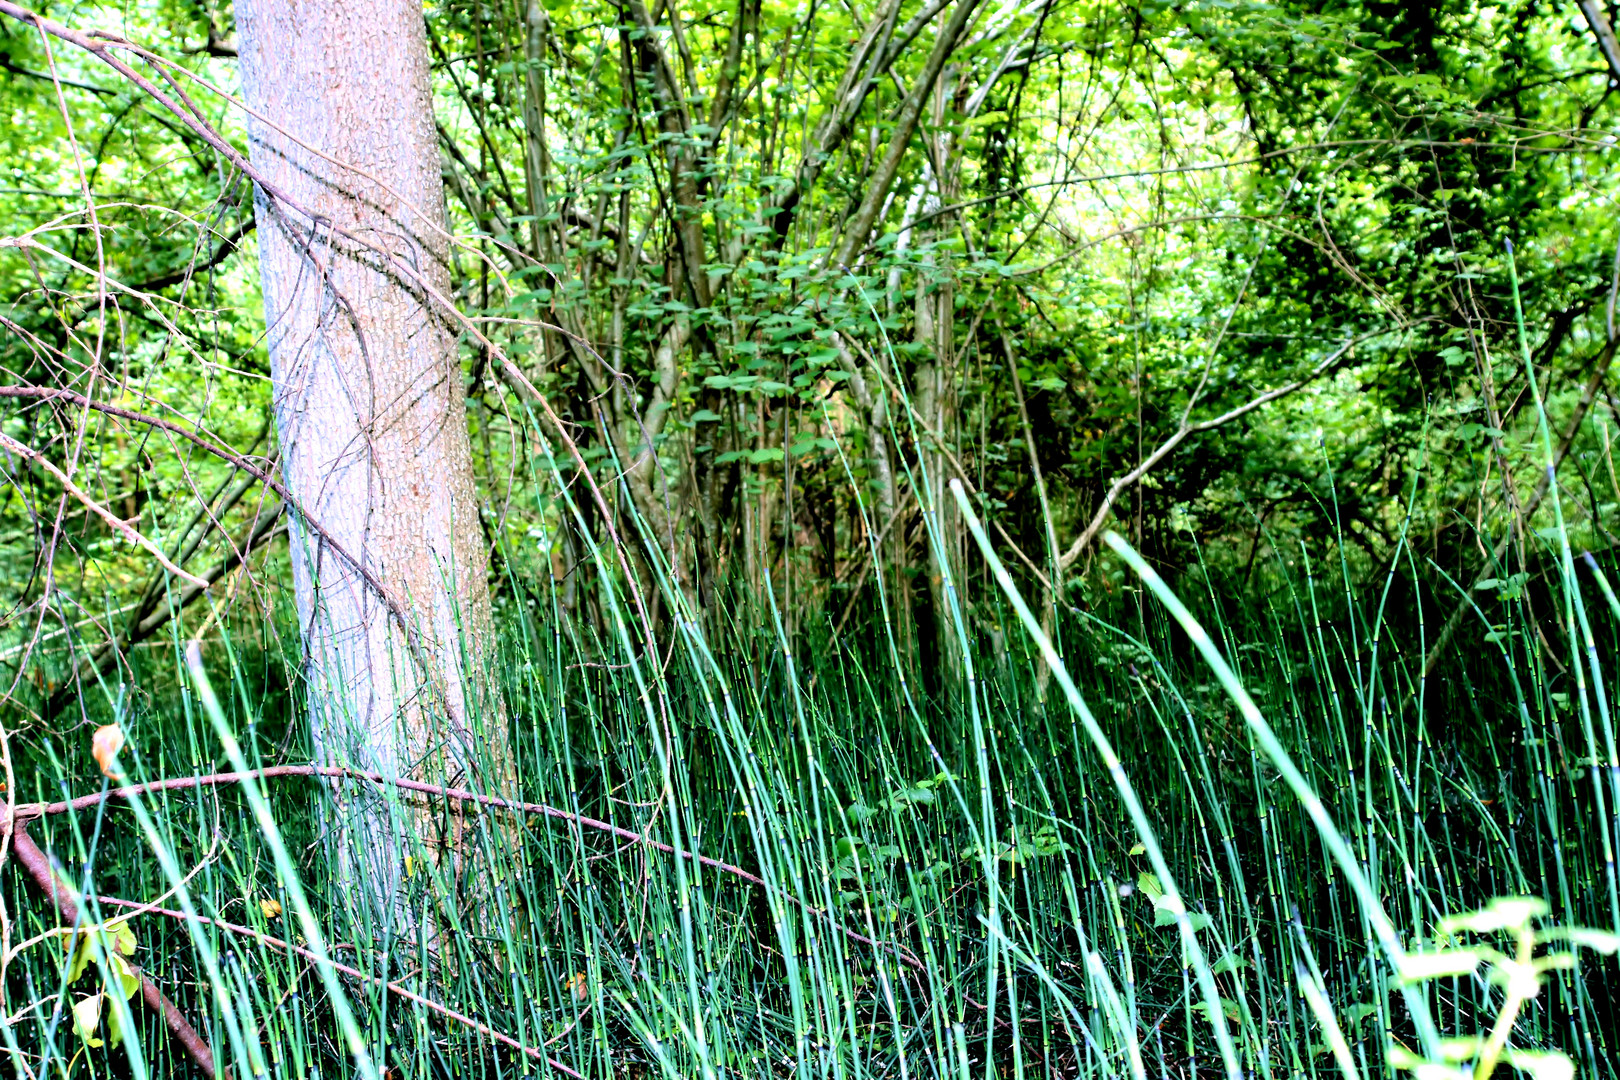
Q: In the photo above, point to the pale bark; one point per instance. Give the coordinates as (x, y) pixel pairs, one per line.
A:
(368, 396)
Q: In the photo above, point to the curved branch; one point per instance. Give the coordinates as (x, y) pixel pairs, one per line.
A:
(39, 868)
(27, 811)
(1165, 448)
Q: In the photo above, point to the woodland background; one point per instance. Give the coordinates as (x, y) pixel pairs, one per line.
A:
(1112, 226)
(1228, 277)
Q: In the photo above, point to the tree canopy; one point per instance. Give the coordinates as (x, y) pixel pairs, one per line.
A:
(783, 271)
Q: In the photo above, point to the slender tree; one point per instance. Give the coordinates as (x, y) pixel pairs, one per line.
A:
(388, 560)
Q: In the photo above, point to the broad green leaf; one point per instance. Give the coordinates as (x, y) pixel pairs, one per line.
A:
(1229, 1007)
(129, 980)
(1541, 1064)
(1602, 941)
(1149, 885)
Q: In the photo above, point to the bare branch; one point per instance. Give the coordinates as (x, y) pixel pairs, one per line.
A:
(1599, 22)
(1186, 429)
(118, 525)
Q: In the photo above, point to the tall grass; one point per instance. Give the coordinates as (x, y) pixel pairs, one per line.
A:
(1228, 845)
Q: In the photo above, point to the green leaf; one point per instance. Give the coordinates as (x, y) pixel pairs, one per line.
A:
(1541, 1064)
(1415, 967)
(1138, 848)
(1355, 1014)
(913, 796)
(1461, 1048)
(123, 937)
(859, 813)
(1503, 913)
(1470, 431)
(1228, 1007)
(82, 955)
(1402, 1058)
(1602, 941)
(765, 454)
(738, 382)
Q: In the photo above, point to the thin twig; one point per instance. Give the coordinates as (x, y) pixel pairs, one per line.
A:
(393, 987)
(1181, 433)
(26, 811)
(123, 528)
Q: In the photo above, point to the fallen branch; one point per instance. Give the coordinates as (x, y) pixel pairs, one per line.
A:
(39, 868)
(393, 987)
(28, 811)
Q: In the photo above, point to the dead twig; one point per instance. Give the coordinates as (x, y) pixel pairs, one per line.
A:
(1187, 429)
(26, 811)
(120, 526)
(354, 973)
(39, 868)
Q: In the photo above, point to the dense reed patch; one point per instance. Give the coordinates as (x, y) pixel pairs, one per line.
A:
(891, 884)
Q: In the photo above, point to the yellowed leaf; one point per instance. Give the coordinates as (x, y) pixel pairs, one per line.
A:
(86, 1018)
(123, 937)
(271, 908)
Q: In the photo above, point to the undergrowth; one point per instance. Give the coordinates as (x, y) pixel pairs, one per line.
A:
(949, 886)
(1258, 835)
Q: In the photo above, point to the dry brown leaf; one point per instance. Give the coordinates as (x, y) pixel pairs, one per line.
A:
(104, 746)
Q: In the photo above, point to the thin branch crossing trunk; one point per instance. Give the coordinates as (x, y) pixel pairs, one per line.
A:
(368, 401)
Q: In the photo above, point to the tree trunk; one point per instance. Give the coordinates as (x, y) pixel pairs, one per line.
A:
(388, 563)
(935, 396)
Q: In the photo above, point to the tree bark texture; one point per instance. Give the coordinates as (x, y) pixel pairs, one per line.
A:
(368, 398)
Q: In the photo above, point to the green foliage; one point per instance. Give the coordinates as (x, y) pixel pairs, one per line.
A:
(1115, 223)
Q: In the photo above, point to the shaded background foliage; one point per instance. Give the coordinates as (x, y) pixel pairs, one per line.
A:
(1145, 207)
